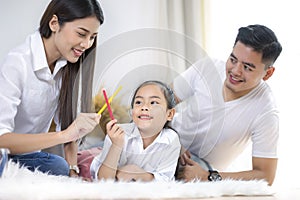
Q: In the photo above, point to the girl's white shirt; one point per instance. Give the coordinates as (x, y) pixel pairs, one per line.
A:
(160, 158)
(29, 92)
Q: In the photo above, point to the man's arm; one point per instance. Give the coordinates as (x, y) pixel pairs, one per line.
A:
(176, 97)
(263, 168)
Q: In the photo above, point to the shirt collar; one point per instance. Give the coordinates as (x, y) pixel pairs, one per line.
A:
(133, 132)
(39, 55)
(59, 64)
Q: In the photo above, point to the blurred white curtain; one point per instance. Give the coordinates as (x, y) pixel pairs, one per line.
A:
(143, 40)
(187, 18)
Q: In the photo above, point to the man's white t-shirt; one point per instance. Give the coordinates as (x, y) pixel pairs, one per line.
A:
(219, 131)
(160, 158)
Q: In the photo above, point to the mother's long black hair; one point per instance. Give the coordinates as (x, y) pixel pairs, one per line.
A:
(68, 11)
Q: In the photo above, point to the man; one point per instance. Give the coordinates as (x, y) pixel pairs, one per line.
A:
(228, 107)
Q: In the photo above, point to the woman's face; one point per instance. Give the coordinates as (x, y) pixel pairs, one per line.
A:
(150, 111)
(73, 38)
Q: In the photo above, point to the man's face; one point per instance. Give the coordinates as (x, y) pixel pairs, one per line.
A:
(244, 71)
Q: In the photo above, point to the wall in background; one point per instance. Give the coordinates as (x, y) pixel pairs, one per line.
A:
(20, 18)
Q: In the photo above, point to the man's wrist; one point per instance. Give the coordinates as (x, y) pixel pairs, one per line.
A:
(214, 175)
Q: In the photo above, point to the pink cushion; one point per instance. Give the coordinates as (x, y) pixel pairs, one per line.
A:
(84, 160)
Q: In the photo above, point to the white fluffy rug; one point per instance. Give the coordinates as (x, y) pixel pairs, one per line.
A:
(20, 183)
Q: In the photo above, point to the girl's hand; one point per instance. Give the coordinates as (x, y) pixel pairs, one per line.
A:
(133, 173)
(115, 133)
(81, 126)
(127, 173)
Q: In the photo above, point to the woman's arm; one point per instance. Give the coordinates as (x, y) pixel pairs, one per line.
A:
(71, 149)
(24, 143)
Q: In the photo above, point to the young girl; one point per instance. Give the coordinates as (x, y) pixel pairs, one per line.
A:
(146, 149)
(39, 81)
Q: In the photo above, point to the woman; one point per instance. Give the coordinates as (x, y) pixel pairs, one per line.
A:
(39, 84)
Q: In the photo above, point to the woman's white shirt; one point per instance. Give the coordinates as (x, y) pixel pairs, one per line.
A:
(29, 92)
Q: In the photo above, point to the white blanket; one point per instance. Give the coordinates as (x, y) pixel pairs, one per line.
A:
(20, 183)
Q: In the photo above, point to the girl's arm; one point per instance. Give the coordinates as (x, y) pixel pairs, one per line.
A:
(164, 169)
(133, 173)
(108, 169)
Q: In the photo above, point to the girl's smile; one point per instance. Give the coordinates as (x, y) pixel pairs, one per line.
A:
(145, 117)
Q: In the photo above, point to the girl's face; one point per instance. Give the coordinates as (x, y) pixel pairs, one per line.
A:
(73, 38)
(150, 111)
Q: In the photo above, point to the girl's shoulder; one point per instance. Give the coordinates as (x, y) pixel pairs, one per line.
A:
(169, 134)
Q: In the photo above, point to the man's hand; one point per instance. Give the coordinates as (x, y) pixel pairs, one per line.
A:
(184, 154)
(192, 171)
